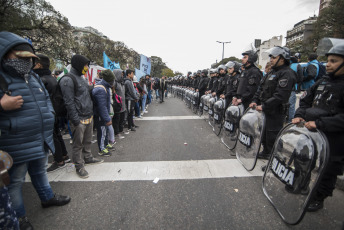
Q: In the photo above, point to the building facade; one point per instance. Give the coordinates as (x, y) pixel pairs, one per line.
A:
(301, 31)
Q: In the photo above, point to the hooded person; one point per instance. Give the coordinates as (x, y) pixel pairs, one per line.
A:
(79, 107)
(119, 89)
(26, 130)
(101, 97)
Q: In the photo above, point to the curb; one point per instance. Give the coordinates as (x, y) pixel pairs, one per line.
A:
(340, 182)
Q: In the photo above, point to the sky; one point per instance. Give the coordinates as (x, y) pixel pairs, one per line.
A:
(184, 32)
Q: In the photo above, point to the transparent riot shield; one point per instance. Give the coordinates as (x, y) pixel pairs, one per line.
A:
(219, 108)
(229, 135)
(206, 106)
(195, 102)
(251, 127)
(211, 111)
(295, 168)
(201, 105)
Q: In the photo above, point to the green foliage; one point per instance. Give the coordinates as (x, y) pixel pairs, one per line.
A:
(224, 61)
(167, 72)
(157, 66)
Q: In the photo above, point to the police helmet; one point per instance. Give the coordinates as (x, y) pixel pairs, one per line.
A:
(212, 71)
(199, 71)
(233, 64)
(337, 50)
(221, 67)
(252, 56)
(205, 71)
(279, 51)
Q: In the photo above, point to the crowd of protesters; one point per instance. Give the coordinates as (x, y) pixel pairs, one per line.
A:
(35, 110)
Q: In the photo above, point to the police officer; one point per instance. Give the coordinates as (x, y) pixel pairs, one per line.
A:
(197, 79)
(322, 107)
(210, 82)
(222, 70)
(233, 69)
(249, 79)
(215, 83)
(203, 83)
(273, 94)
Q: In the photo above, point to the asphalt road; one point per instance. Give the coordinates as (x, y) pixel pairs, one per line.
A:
(214, 202)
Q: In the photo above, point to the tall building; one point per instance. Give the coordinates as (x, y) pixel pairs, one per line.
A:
(323, 5)
(263, 58)
(301, 31)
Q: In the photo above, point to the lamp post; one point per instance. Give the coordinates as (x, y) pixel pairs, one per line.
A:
(223, 47)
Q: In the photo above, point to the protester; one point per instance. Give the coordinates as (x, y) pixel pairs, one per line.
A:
(311, 72)
(101, 96)
(118, 119)
(80, 113)
(162, 88)
(61, 154)
(131, 98)
(143, 95)
(149, 88)
(34, 129)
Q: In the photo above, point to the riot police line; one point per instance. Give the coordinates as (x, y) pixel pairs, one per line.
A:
(299, 163)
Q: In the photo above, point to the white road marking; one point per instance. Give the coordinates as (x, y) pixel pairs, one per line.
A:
(169, 118)
(164, 170)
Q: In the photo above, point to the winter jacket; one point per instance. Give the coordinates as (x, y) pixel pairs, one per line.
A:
(79, 104)
(119, 87)
(130, 91)
(49, 81)
(101, 98)
(27, 132)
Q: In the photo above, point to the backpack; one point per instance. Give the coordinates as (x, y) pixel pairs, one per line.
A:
(57, 97)
(117, 103)
(322, 71)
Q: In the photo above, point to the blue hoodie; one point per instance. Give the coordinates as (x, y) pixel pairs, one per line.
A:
(26, 133)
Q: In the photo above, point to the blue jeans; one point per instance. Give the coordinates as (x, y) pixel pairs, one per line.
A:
(39, 179)
(292, 101)
(137, 109)
(157, 94)
(166, 92)
(143, 105)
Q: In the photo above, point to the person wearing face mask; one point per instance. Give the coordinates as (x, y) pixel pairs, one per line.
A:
(101, 97)
(79, 107)
(272, 96)
(322, 107)
(26, 130)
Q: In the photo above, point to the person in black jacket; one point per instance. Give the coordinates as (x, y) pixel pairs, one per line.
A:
(233, 69)
(273, 94)
(162, 88)
(203, 83)
(249, 79)
(322, 107)
(61, 154)
(222, 70)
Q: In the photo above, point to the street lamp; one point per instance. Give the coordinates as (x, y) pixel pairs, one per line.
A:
(223, 47)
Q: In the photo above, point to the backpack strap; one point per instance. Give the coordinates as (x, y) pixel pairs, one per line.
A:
(75, 83)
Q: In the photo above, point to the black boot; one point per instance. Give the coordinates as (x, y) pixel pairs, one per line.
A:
(57, 200)
(315, 205)
(24, 223)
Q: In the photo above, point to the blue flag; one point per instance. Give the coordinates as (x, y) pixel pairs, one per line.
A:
(108, 64)
(139, 74)
(145, 64)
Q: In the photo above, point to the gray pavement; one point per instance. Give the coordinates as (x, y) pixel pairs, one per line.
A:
(205, 203)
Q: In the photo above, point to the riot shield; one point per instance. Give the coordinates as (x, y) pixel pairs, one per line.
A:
(298, 160)
(206, 105)
(251, 127)
(201, 105)
(219, 108)
(211, 111)
(229, 135)
(195, 102)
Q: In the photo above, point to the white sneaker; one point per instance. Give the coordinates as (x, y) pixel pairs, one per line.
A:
(146, 111)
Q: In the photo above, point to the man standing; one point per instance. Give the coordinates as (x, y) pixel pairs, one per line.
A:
(42, 69)
(311, 72)
(29, 139)
(249, 79)
(131, 97)
(79, 105)
(273, 95)
(162, 88)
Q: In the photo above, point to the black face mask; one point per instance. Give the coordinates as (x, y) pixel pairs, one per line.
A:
(22, 65)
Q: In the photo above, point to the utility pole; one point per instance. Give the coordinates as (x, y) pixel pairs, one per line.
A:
(223, 47)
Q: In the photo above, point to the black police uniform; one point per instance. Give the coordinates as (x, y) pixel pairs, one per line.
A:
(248, 84)
(273, 94)
(231, 88)
(324, 104)
(202, 86)
(215, 80)
(221, 85)
(210, 84)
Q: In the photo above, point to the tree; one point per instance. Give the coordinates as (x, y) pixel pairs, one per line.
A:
(176, 73)
(167, 72)
(157, 66)
(330, 22)
(224, 61)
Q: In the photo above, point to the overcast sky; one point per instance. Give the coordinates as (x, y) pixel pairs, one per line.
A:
(184, 32)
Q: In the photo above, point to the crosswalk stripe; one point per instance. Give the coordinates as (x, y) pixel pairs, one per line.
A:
(169, 118)
(164, 170)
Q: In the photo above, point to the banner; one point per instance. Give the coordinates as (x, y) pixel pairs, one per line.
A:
(139, 74)
(145, 64)
(108, 64)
